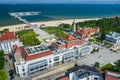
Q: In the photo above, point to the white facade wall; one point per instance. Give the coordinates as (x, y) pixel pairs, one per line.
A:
(25, 73)
(92, 77)
(7, 46)
(50, 61)
(115, 40)
(73, 76)
(85, 50)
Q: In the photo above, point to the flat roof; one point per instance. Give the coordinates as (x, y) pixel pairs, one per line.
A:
(114, 35)
(35, 49)
(34, 52)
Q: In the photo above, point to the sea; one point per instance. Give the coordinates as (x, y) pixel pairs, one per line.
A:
(51, 12)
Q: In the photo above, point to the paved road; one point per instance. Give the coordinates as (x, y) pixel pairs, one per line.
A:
(9, 66)
(42, 35)
(104, 56)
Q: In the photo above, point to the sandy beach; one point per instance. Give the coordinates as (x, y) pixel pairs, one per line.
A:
(47, 23)
(69, 21)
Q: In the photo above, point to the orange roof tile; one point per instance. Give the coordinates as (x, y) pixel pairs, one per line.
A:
(7, 36)
(42, 25)
(70, 38)
(26, 26)
(64, 78)
(35, 56)
(16, 48)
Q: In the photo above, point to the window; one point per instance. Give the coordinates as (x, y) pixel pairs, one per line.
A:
(56, 58)
(23, 73)
(50, 60)
(37, 67)
(23, 69)
(95, 78)
(31, 69)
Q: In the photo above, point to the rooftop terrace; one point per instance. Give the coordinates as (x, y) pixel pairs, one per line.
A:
(35, 49)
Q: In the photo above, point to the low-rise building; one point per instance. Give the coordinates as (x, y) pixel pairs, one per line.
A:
(7, 40)
(86, 32)
(29, 60)
(114, 38)
(84, 73)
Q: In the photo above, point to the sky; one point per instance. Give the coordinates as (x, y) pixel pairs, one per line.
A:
(63, 1)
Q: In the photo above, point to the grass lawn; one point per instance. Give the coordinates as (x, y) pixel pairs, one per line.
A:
(28, 37)
(57, 31)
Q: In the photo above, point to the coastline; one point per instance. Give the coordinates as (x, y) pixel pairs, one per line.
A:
(47, 23)
(67, 21)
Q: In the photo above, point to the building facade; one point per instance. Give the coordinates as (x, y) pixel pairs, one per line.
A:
(113, 38)
(84, 73)
(86, 32)
(29, 60)
(7, 40)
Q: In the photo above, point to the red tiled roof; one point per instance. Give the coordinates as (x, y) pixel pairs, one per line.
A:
(84, 32)
(70, 38)
(16, 48)
(7, 36)
(35, 56)
(64, 78)
(59, 46)
(79, 42)
(42, 25)
(111, 77)
(26, 26)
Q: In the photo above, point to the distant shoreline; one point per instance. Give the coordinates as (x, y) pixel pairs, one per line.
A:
(47, 23)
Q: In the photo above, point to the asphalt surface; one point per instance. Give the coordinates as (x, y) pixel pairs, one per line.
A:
(103, 56)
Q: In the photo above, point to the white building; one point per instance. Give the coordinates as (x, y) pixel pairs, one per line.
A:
(84, 73)
(29, 60)
(7, 40)
(114, 38)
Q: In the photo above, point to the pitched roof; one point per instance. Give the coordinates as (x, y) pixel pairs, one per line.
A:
(35, 56)
(7, 36)
(16, 48)
(70, 38)
(42, 25)
(26, 26)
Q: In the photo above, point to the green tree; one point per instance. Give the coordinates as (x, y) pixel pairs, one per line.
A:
(91, 40)
(97, 64)
(106, 25)
(1, 53)
(3, 75)
(28, 37)
(106, 67)
(2, 62)
(65, 26)
(2, 59)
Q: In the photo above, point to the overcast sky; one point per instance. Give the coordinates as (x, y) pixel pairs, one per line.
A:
(61, 1)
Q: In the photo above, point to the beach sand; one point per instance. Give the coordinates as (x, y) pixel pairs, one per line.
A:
(69, 21)
(47, 23)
